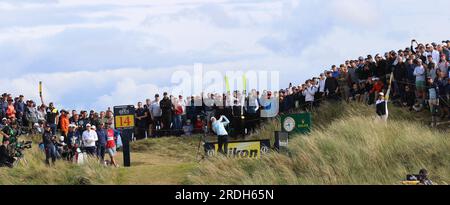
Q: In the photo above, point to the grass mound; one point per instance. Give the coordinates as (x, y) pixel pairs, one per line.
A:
(33, 170)
(346, 146)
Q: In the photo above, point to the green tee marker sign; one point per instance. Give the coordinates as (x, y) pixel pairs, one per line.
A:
(296, 123)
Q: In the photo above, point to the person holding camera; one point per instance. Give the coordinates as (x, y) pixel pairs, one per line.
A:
(309, 93)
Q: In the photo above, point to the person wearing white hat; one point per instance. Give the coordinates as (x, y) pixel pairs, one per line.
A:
(381, 107)
(89, 138)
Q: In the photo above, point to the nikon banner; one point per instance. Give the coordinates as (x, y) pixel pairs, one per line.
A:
(296, 123)
(240, 149)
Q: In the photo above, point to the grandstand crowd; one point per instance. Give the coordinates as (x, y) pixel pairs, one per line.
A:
(418, 76)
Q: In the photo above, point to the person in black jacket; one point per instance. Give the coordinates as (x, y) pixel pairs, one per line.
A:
(331, 86)
(166, 117)
(50, 150)
(399, 77)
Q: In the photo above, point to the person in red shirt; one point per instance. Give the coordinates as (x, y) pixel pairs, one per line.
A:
(377, 87)
(178, 111)
(198, 125)
(111, 144)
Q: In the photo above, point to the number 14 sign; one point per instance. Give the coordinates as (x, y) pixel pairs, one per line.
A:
(124, 117)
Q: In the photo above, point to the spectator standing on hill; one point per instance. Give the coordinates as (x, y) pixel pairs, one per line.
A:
(443, 65)
(335, 71)
(321, 90)
(331, 87)
(51, 116)
(309, 93)
(10, 111)
(31, 114)
(166, 117)
(148, 119)
(73, 141)
(89, 139)
(410, 67)
(433, 100)
(101, 143)
(20, 106)
(178, 122)
(419, 72)
(50, 150)
(408, 97)
(156, 113)
(111, 135)
(343, 82)
(399, 77)
(141, 123)
(442, 83)
(64, 123)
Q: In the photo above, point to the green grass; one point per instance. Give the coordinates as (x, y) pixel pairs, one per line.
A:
(346, 146)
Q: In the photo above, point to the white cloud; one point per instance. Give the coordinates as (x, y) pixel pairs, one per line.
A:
(113, 52)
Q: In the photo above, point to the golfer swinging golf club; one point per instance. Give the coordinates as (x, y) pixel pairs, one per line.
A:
(218, 126)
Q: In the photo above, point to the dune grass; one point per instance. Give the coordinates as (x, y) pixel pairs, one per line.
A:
(33, 171)
(346, 146)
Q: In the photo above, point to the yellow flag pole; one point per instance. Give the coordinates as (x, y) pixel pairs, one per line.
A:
(40, 88)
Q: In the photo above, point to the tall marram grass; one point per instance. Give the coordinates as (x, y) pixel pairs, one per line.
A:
(346, 146)
(33, 170)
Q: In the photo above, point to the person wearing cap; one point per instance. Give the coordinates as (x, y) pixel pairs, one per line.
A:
(101, 143)
(321, 92)
(443, 65)
(89, 139)
(11, 110)
(141, 121)
(381, 107)
(73, 141)
(335, 71)
(3, 123)
(431, 51)
(31, 114)
(331, 86)
(52, 117)
(309, 93)
(20, 106)
(433, 100)
(49, 146)
(166, 117)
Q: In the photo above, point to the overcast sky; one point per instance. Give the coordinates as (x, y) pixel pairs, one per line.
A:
(100, 53)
